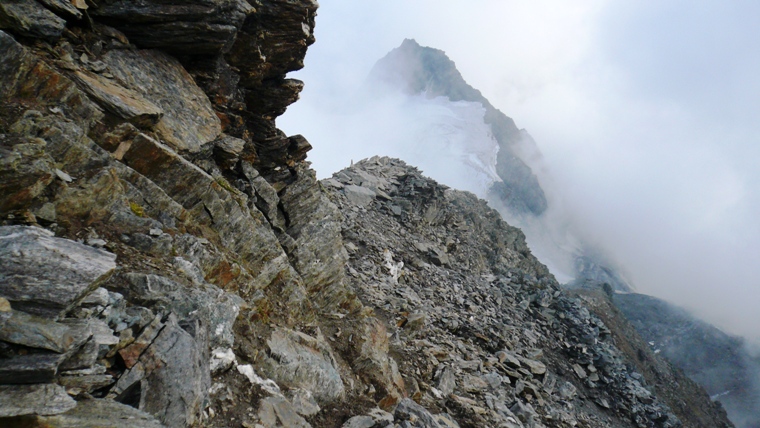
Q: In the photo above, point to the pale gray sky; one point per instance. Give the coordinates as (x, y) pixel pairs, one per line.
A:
(647, 113)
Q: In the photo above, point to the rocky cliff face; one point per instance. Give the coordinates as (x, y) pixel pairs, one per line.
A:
(167, 258)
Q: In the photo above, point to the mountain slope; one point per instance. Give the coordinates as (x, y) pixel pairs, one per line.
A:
(479, 326)
(428, 72)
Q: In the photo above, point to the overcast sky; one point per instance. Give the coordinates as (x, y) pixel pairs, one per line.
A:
(647, 114)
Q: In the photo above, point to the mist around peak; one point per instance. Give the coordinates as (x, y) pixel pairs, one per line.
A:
(650, 143)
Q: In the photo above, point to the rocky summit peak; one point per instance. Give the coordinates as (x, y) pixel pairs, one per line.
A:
(418, 69)
(415, 69)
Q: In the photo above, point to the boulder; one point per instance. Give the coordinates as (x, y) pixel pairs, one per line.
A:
(85, 383)
(303, 402)
(358, 195)
(227, 150)
(45, 275)
(376, 418)
(535, 367)
(446, 380)
(415, 415)
(120, 101)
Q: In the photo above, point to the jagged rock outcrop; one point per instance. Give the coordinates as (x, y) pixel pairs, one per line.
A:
(168, 259)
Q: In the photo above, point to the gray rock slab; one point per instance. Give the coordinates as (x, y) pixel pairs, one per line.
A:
(303, 402)
(40, 399)
(189, 121)
(101, 413)
(35, 332)
(302, 361)
(173, 376)
(45, 275)
(359, 422)
(99, 297)
(535, 367)
(358, 195)
(83, 358)
(32, 368)
(218, 308)
(124, 103)
(446, 380)
(277, 412)
(416, 415)
(376, 418)
(85, 383)
(31, 19)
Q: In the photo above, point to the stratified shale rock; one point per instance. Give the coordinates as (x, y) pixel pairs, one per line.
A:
(40, 399)
(302, 361)
(98, 413)
(30, 19)
(45, 275)
(188, 120)
(189, 27)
